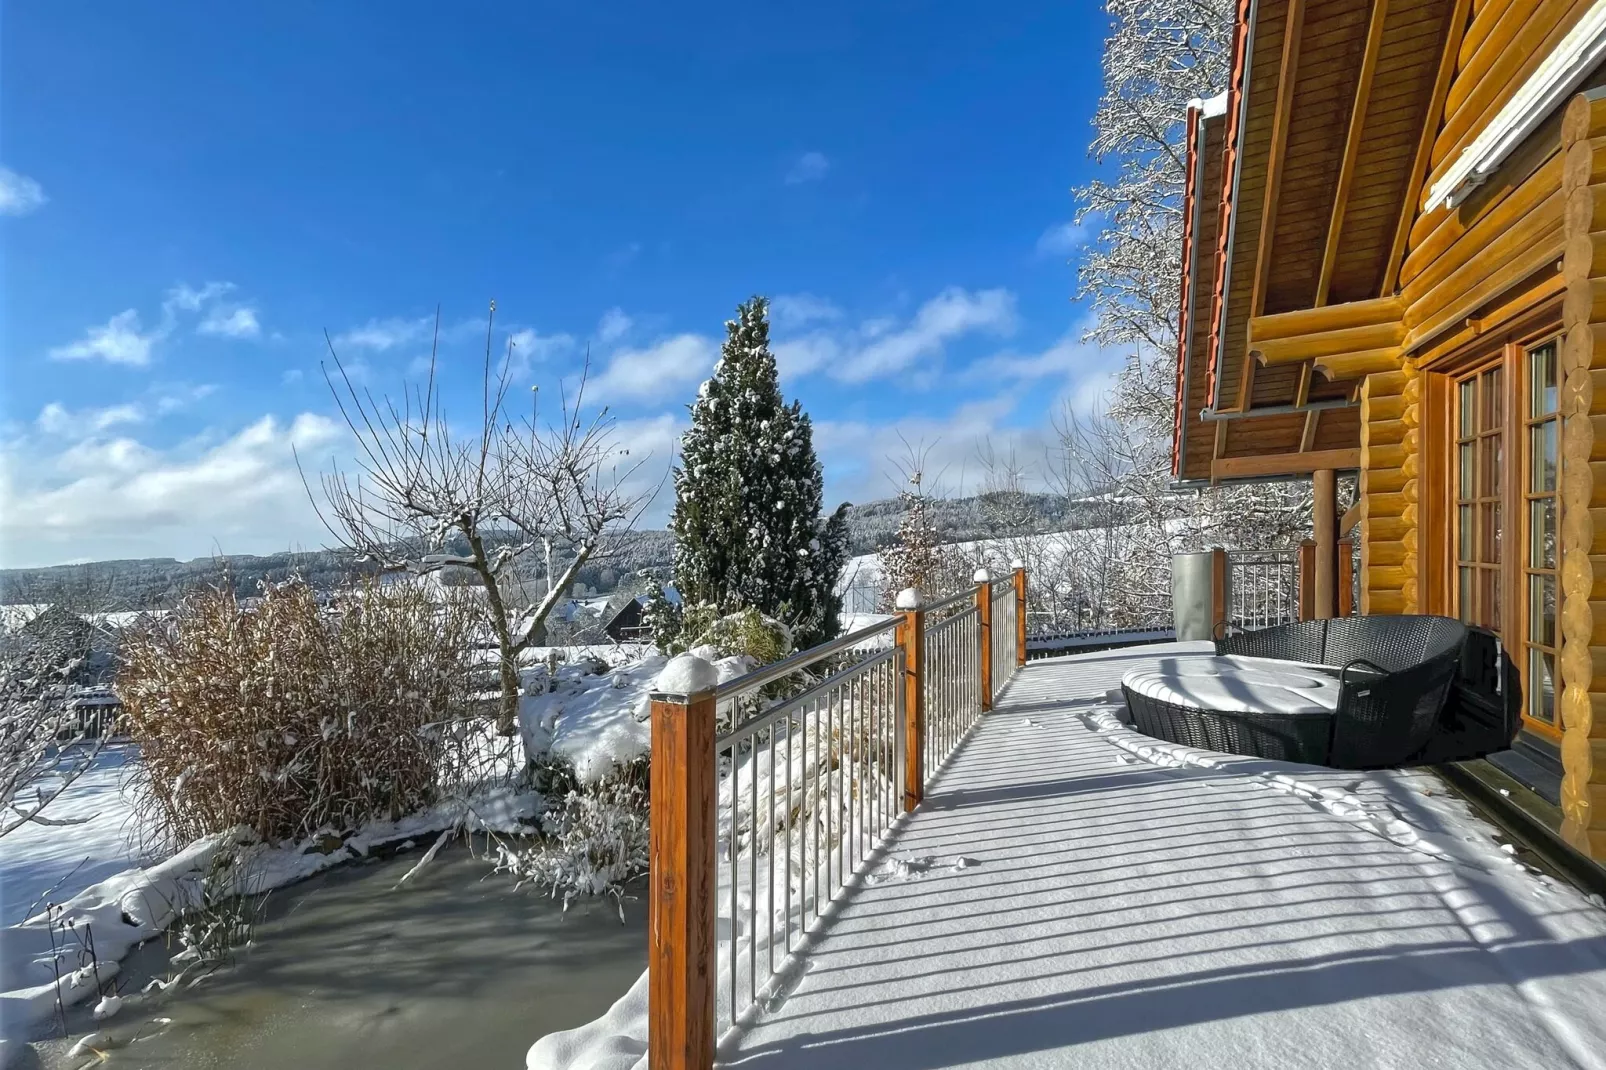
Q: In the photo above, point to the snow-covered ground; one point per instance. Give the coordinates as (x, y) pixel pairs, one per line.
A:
(1074, 893)
(92, 835)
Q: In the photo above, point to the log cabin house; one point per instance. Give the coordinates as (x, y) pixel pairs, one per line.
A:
(1395, 266)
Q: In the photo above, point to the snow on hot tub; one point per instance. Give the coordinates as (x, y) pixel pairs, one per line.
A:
(1236, 684)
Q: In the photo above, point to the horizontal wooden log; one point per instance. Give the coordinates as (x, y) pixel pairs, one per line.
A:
(1382, 553)
(1382, 602)
(1385, 529)
(1382, 408)
(1445, 309)
(1434, 289)
(1458, 238)
(1583, 438)
(1584, 664)
(1583, 483)
(1383, 432)
(1585, 302)
(1583, 711)
(1293, 349)
(1583, 530)
(1584, 257)
(1582, 620)
(1277, 464)
(1584, 164)
(1584, 349)
(1381, 481)
(1382, 456)
(1584, 754)
(1384, 384)
(1357, 365)
(1326, 319)
(1584, 118)
(1586, 209)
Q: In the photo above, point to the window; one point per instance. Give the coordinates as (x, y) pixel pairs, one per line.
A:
(1479, 455)
(1541, 470)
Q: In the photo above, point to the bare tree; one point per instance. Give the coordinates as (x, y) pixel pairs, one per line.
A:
(52, 647)
(426, 500)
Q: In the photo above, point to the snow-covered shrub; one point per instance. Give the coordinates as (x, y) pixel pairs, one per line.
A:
(745, 633)
(593, 839)
(288, 716)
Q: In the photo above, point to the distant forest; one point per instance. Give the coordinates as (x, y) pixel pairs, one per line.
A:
(158, 582)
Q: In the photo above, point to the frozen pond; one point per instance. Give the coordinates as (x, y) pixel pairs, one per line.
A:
(452, 969)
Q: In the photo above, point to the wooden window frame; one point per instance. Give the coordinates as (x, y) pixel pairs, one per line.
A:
(1491, 490)
(1439, 483)
(1525, 569)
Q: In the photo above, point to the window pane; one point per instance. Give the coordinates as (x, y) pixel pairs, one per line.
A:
(1542, 533)
(1469, 470)
(1542, 686)
(1489, 596)
(1489, 465)
(1542, 610)
(1492, 398)
(1469, 407)
(1465, 541)
(1464, 594)
(1496, 462)
(1543, 382)
(1491, 537)
(1542, 457)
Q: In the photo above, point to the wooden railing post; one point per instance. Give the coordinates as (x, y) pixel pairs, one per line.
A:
(911, 635)
(984, 629)
(1218, 592)
(1018, 567)
(681, 842)
(1307, 580)
(1346, 578)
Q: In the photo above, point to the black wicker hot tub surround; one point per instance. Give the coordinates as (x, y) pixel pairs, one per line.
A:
(1395, 675)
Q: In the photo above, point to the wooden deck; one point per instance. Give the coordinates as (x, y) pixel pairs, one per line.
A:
(1071, 896)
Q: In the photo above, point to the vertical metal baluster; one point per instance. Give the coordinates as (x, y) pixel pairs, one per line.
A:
(771, 805)
(839, 806)
(815, 823)
(752, 880)
(789, 837)
(735, 813)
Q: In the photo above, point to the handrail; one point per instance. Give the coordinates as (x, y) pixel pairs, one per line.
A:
(801, 660)
(957, 596)
(788, 705)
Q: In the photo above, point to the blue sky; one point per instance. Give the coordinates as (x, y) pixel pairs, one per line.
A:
(193, 193)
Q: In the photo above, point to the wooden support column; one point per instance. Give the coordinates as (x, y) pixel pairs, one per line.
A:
(1020, 613)
(911, 636)
(1307, 580)
(1583, 486)
(1324, 521)
(1218, 592)
(984, 629)
(1346, 577)
(680, 930)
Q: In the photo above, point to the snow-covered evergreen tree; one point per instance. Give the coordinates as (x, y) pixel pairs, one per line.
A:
(660, 617)
(747, 522)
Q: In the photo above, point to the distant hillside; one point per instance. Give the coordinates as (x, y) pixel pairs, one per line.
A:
(157, 582)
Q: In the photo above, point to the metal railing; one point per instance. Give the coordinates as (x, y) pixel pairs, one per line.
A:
(805, 791)
(1262, 588)
(1004, 625)
(953, 676)
(818, 765)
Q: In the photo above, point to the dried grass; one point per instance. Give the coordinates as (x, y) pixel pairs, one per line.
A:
(292, 717)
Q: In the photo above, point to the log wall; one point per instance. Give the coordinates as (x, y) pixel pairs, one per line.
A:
(1388, 557)
(1583, 532)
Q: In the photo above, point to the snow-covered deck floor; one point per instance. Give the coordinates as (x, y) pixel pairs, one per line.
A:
(1134, 904)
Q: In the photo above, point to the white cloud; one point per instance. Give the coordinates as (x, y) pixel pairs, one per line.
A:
(120, 341)
(797, 357)
(124, 340)
(1064, 239)
(56, 419)
(19, 194)
(809, 167)
(1085, 369)
(788, 311)
(657, 372)
(120, 497)
(613, 325)
(952, 313)
(386, 334)
(238, 322)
